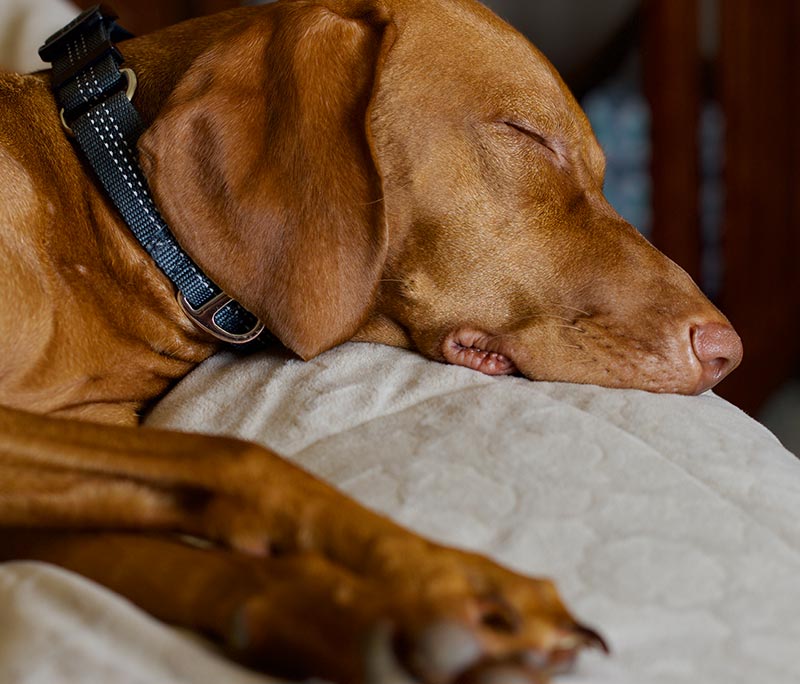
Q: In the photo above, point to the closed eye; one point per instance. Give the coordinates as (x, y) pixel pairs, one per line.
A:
(533, 135)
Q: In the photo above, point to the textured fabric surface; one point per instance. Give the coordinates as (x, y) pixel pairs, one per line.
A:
(24, 25)
(58, 628)
(670, 522)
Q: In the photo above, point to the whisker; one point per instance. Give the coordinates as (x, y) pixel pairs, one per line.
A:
(557, 317)
(542, 314)
(502, 335)
(522, 319)
(572, 308)
(559, 305)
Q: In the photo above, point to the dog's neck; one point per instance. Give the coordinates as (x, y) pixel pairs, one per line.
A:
(133, 314)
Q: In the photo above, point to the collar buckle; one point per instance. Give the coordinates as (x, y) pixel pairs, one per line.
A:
(91, 35)
(85, 21)
(204, 317)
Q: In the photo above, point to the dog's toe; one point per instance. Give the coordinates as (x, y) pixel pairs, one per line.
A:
(381, 663)
(443, 650)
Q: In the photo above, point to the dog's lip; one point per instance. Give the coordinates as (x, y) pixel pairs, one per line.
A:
(478, 350)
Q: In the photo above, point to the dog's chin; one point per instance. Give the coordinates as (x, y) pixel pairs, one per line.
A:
(479, 351)
(498, 355)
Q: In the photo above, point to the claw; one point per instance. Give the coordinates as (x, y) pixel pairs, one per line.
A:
(592, 639)
(561, 656)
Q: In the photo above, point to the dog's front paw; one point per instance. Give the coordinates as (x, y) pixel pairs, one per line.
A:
(476, 622)
(445, 617)
(351, 596)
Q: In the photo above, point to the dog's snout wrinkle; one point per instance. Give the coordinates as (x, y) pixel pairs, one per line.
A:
(718, 349)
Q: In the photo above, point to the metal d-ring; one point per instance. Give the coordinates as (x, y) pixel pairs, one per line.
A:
(130, 76)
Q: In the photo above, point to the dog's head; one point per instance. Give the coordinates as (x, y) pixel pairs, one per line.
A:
(416, 173)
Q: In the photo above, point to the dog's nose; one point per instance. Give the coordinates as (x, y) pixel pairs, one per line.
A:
(719, 350)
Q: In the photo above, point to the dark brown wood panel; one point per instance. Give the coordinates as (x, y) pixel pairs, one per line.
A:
(672, 81)
(760, 81)
(793, 247)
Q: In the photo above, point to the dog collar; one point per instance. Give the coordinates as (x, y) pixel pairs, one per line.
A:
(95, 94)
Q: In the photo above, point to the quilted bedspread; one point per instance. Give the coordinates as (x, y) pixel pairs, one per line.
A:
(671, 523)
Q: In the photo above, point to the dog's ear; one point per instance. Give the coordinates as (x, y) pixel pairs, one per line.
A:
(260, 162)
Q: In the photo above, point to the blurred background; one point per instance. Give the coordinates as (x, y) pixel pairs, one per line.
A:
(697, 105)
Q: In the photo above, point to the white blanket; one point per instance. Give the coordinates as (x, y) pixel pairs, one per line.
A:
(671, 523)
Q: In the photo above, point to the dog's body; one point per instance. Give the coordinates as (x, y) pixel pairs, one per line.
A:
(412, 173)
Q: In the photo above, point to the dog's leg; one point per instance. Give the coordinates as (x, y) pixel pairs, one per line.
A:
(296, 615)
(63, 473)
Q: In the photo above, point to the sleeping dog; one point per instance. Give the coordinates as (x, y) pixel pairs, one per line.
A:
(410, 172)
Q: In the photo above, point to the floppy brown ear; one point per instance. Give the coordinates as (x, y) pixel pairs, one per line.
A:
(260, 163)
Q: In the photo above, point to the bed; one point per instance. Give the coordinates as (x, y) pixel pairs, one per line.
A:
(670, 522)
